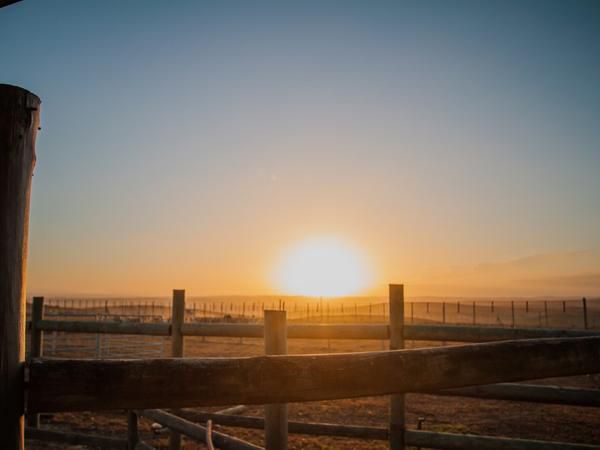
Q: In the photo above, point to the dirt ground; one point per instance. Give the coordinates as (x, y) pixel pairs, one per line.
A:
(450, 414)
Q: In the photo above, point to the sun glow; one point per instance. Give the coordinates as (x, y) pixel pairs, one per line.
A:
(322, 267)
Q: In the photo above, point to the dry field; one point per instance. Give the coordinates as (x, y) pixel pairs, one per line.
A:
(451, 414)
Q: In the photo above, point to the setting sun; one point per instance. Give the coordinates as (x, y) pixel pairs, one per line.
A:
(322, 267)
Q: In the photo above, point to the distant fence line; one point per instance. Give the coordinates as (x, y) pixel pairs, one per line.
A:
(584, 313)
(102, 320)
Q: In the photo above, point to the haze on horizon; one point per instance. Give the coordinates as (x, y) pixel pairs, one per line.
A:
(189, 144)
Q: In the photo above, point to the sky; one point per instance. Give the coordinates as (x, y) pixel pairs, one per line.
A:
(455, 145)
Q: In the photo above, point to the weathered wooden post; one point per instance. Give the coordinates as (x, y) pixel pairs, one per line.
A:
(177, 319)
(585, 315)
(133, 437)
(512, 312)
(19, 122)
(396, 300)
(37, 314)
(276, 415)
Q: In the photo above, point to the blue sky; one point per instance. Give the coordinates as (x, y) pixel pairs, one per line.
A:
(186, 143)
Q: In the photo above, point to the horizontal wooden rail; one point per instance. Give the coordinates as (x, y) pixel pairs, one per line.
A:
(413, 437)
(464, 333)
(249, 330)
(453, 333)
(75, 385)
(451, 441)
(71, 438)
(535, 393)
(196, 432)
(69, 326)
(310, 428)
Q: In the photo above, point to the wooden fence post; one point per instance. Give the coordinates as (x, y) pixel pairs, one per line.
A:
(37, 314)
(133, 437)
(276, 415)
(19, 122)
(512, 310)
(585, 315)
(177, 319)
(397, 425)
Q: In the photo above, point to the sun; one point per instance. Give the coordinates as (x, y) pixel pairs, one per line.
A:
(322, 267)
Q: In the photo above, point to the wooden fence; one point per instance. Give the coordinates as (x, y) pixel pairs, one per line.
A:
(144, 385)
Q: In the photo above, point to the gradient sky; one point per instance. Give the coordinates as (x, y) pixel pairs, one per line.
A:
(185, 144)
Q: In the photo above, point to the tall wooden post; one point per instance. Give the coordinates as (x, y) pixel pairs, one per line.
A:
(397, 420)
(19, 122)
(177, 318)
(276, 415)
(585, 315)
(37, 314)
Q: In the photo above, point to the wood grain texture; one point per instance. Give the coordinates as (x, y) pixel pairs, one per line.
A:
(75, 385)
(19, 122)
